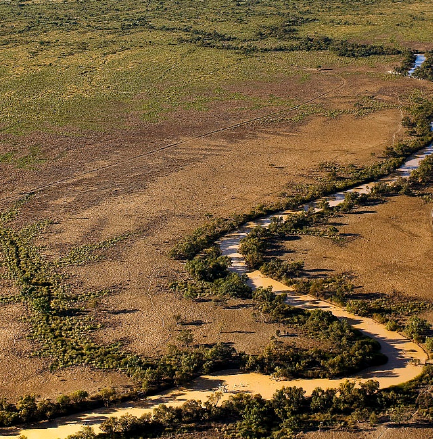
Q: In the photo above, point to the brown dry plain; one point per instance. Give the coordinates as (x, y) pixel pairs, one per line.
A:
(102, 185)
(386, 247)
(387, 431)
(381, 432)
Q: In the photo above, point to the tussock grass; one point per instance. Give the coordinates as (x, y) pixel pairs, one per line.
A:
(90, 65)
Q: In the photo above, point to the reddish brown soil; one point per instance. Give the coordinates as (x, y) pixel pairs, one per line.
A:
(387, 247)
(388, 431)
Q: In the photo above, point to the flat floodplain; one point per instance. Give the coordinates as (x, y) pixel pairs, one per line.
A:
(142, 122)
(386, 247)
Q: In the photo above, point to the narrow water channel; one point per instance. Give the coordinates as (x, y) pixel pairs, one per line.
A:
(419, 59)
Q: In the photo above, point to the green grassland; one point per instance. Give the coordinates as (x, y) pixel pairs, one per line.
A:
(91, 64)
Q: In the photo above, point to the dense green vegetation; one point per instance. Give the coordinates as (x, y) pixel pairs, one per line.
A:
(211, 277)
(350, 350)
(253, 247)
(397, 312)
(176, 367)
(423, 175)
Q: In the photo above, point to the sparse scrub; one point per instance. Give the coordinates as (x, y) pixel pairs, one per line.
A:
(406, 64)
(61, 83)
(90, 252)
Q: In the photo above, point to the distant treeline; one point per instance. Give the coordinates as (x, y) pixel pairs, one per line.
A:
(279, 37)
(339, 47)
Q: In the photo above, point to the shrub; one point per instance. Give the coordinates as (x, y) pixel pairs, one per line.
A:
(208, 268)
(416, 328)
(392, 325)
(233, 285)
(278, 269)
(85, 433)
(429, 344)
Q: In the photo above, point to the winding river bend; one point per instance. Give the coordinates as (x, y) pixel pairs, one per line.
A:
(406, 358)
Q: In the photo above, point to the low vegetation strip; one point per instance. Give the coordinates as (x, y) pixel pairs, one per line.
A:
(62, 327)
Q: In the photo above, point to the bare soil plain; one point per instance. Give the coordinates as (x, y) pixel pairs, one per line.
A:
(385, 431)
(383, 246)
